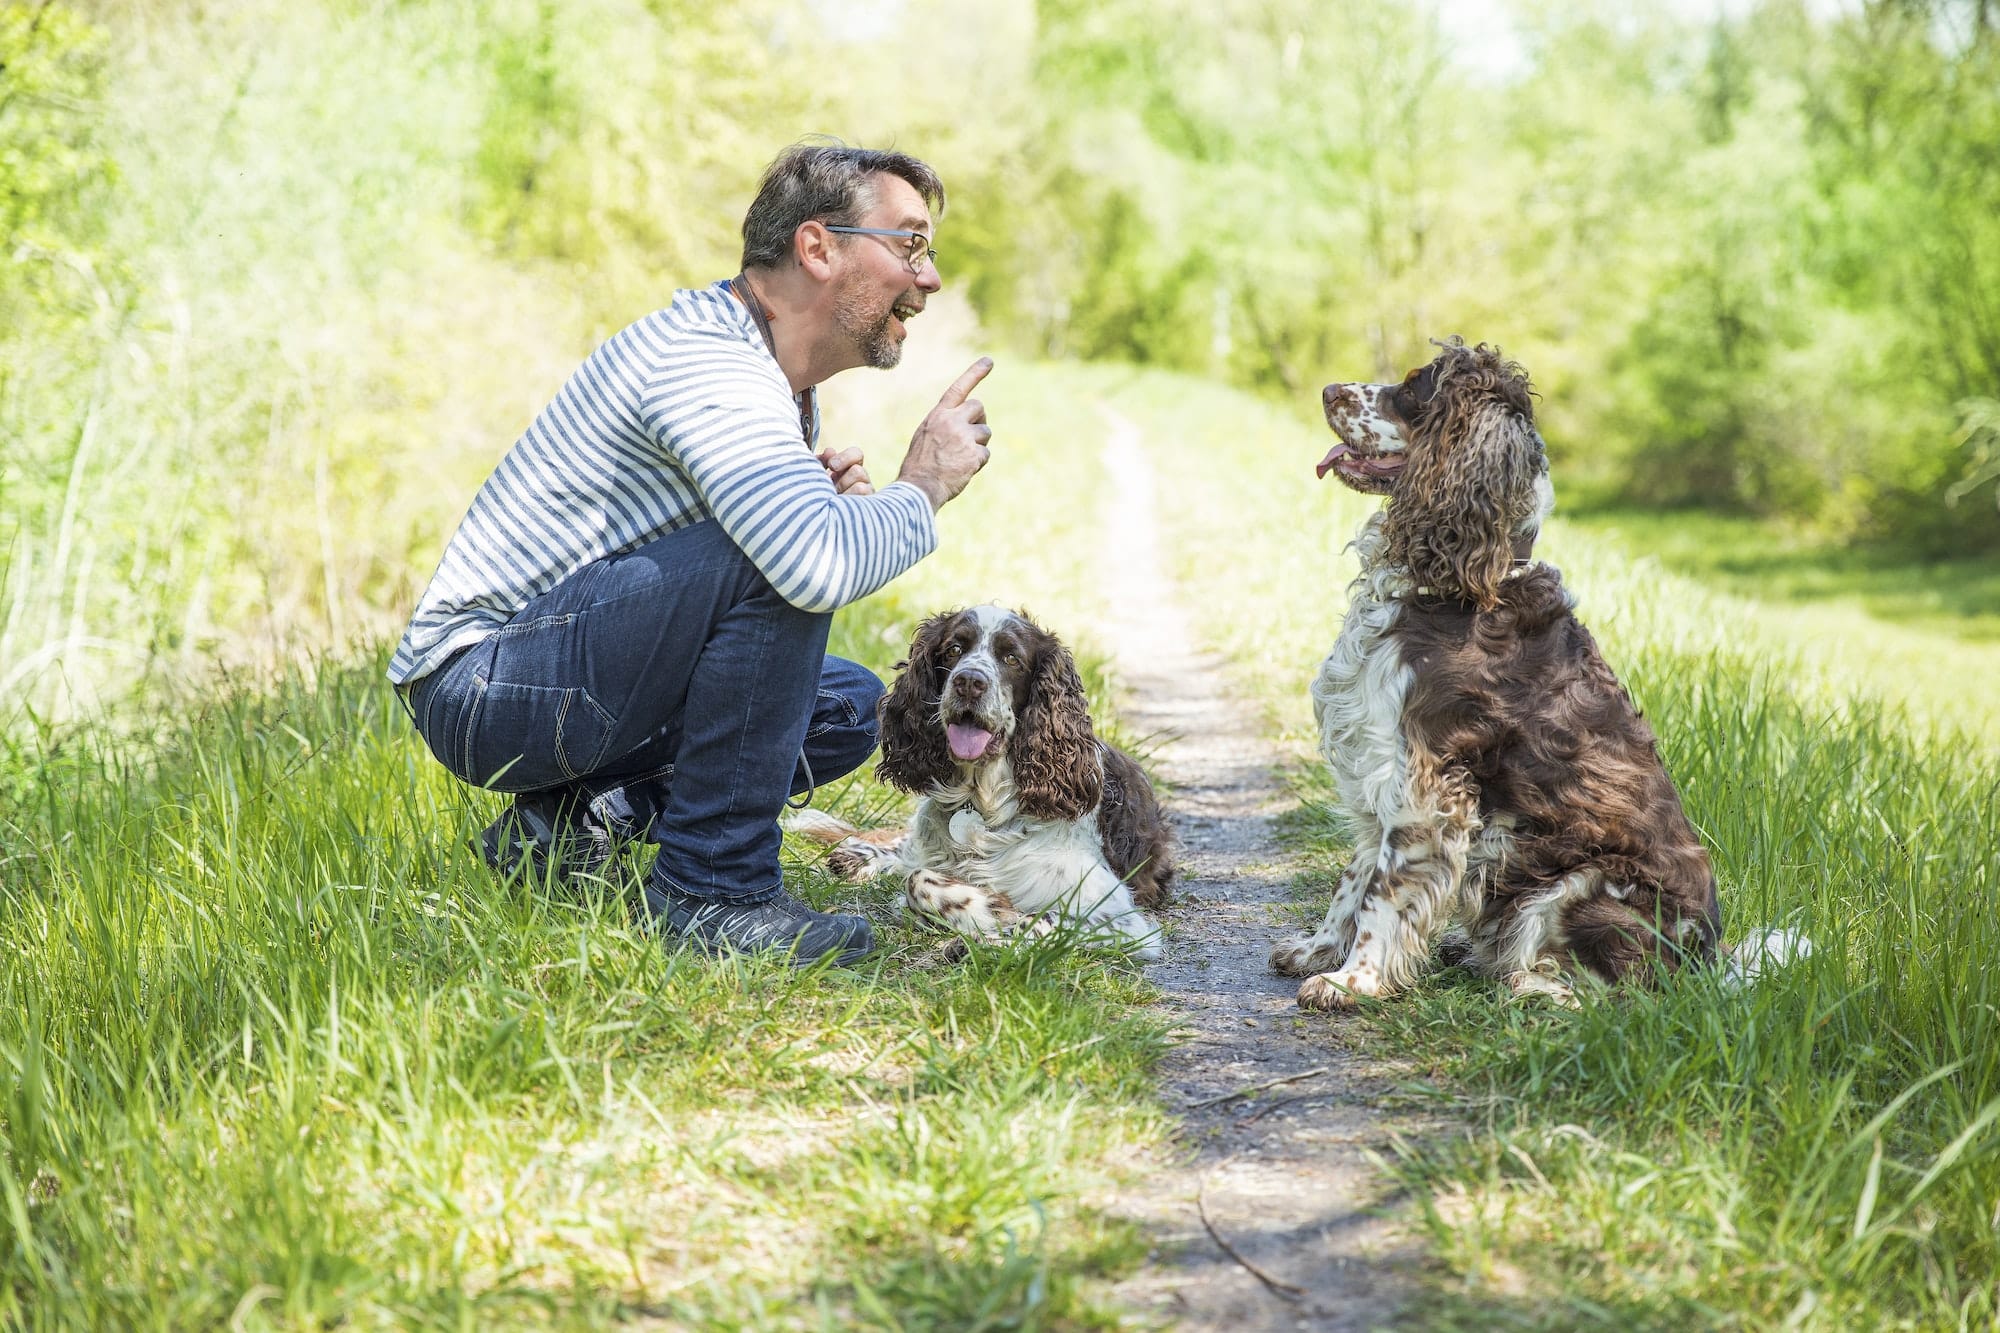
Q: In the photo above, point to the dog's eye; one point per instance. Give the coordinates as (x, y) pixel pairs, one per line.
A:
(1012, 659)
(953, 649)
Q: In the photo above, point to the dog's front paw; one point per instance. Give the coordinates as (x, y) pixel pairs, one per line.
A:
(1337, 990)
(1303, 956)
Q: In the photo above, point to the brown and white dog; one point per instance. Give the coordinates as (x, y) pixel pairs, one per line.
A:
(1026, 819)
(1493, 772)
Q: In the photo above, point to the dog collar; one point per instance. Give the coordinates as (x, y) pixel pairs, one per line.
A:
(1520, 568)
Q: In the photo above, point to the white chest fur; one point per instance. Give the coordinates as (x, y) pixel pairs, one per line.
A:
(1358, 694)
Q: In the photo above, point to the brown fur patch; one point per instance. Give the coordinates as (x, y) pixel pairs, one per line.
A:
(1519, 699)
(1057, 770)
(1138, 846)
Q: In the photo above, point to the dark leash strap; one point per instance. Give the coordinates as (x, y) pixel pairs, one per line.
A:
(801, 802)
(808, 403)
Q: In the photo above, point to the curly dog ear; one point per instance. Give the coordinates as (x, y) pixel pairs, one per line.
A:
(1058, 772)
(1469, 488)
(914, 756)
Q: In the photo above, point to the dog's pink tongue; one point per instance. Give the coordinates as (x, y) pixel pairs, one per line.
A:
(967, 742)
(1326, 464)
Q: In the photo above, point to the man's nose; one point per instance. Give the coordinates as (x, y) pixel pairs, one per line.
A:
(928, 277)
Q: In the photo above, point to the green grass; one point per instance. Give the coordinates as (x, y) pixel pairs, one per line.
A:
(1767, 560)
(275, 1045)
(1821, 1152)
(276, 1051)
(1941, 601)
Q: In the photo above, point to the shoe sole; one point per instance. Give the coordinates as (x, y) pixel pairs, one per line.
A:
(847, 957)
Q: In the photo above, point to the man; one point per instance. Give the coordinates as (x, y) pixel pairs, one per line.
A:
(629, 627)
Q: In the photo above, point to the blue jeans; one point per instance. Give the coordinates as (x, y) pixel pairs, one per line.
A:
(672, 690)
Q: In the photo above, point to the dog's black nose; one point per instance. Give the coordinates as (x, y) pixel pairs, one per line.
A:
(969, 687)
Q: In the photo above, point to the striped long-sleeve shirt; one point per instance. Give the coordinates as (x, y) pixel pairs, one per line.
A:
(680, 418)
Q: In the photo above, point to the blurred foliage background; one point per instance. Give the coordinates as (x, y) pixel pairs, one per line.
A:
(281, 278)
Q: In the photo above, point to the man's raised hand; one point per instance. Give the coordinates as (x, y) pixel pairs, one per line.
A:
(952, 442)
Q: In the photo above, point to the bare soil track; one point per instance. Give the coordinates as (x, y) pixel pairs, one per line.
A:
(1272, 1215)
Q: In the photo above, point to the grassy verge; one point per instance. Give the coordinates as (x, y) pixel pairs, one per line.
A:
(1821, 1152)
(276, 1046)
(1955, 600)
(276, 1049)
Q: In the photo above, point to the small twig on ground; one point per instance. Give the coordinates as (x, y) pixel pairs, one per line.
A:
(1245, 1092)
(1269, 1107)
(1278, 1288)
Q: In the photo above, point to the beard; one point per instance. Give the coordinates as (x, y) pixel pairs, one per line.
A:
(858, 317)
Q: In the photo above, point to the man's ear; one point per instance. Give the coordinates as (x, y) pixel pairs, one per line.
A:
(812, 246)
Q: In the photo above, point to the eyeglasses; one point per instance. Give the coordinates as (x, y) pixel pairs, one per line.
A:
(919, 252)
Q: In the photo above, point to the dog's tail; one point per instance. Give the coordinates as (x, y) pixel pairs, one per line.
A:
(1761, 953)
(817, 825)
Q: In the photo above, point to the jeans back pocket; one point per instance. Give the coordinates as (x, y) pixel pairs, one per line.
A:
(527, 737)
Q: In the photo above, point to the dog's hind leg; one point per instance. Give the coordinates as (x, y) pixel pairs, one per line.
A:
(817, 825)
(857, 855)
(1104, 908)
(866, 855)
(1521, 935)
(1544, 980)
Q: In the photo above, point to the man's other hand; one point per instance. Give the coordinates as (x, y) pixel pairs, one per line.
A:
(951, 444)
(849, 477)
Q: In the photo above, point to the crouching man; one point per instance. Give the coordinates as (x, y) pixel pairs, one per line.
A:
(628, 630)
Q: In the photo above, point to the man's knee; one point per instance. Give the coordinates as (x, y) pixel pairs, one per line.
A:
(844, 726)
(861, 688)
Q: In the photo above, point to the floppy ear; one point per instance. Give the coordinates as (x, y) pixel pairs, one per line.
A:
(1470, 482)
(914, 757)
(1058, 773)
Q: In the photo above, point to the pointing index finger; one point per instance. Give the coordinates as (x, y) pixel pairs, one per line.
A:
(962, 387)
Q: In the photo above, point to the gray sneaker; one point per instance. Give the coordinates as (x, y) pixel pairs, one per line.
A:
(551, 833)
(780, 925)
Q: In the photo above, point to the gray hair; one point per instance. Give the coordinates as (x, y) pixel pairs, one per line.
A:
(823, 182)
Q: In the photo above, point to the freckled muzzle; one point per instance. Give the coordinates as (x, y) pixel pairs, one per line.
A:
(973, 709)
(1371, 447)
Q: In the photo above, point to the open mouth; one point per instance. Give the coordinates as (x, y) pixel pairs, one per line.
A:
(1363, 471)
(903, 312)
(969, 741)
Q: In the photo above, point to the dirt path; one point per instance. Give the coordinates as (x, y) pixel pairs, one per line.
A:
(1281, 1175)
